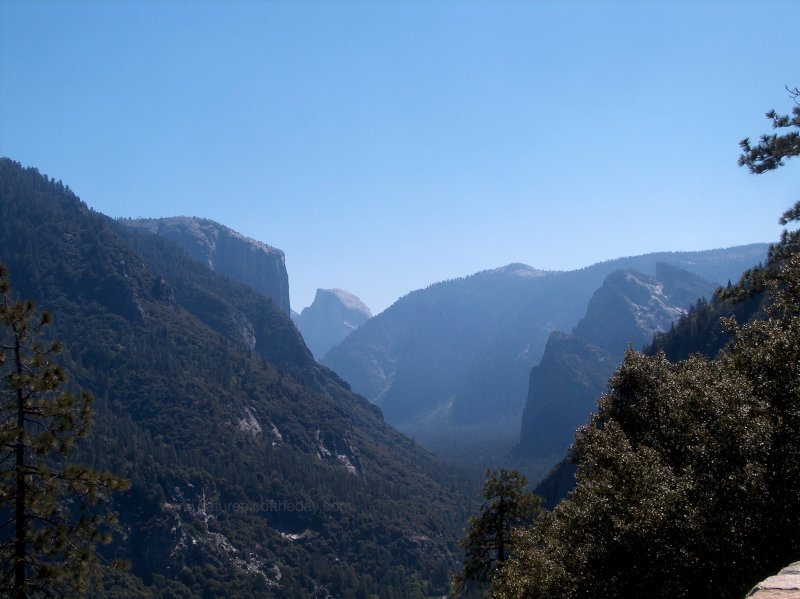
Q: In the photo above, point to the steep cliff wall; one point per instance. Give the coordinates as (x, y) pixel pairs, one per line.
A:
(334, 314)
(225, 251)
(628, 309)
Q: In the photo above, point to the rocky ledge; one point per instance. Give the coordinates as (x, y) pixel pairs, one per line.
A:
(784, 585)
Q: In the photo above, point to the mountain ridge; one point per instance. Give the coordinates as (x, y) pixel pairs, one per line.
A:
(626, 311)
(334, 314)
(458, 353)
(226, 251)
(255, 471)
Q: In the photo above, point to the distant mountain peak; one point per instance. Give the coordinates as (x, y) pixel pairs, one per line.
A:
(627, 310)
(462, 350)
(520, 270)
(334, 314)
(348, 300)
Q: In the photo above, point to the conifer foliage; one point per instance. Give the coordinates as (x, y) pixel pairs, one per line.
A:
(688, 475)
(769, 152)
(49, 521)
(488, 542)
(688, 482)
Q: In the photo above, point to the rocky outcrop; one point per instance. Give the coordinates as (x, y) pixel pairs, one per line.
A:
(188, 538)
(627, 310)
(227, 252)
(631, 307)
(564, 389)
(338, 450)
(784, 585)
(334, 314)
(458, 354)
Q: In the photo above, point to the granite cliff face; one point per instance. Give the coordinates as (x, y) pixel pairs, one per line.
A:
(783, 585)
(432, 358)
(628, 310)
(455, 358)
(563, 390)
(631, 307)
(225, 251)
(334, 314)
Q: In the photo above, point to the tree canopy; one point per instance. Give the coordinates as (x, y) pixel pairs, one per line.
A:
(688, 475)
(488, 543)
(688, 480)
(769, 152)
(49, 523)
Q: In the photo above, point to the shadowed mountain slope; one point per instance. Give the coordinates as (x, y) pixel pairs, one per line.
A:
(255, 472)
(457, 355)
(628, 310)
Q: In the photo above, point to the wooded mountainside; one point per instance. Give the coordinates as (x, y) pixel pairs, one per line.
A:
(254, 471)
(687, 478)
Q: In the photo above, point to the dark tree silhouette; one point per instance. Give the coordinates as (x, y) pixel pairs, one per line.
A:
(488, 542)
(49, 526)
(769, 152)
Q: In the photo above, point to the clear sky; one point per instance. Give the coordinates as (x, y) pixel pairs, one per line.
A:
(384, 146)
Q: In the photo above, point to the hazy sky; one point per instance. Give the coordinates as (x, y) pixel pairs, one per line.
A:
(384, 146)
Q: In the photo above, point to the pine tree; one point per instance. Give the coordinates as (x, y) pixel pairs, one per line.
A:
(770, 151)
(488, 541)
(766, 156)
(49, 518)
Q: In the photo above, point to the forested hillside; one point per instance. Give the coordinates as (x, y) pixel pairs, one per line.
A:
(254, 471)
(626, 311)
(688, 474)
(451, 363)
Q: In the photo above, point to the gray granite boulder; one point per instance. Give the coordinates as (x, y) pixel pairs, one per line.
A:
(784, 585)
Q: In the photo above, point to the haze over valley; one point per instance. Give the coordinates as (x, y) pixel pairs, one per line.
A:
(389, 300)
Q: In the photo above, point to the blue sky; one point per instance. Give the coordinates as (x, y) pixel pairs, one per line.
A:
(384, 146)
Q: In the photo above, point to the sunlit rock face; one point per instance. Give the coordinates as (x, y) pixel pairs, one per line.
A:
(227, 252)
(631, 307)
(626, 311)
(334, 314)
(784, 585)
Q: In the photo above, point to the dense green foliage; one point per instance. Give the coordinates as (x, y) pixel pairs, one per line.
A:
(700, 329)
(507, 504)
(688, 475)
(766, 156)
(50, 525)
(769, 152)
(254, 471)
(687, 481)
